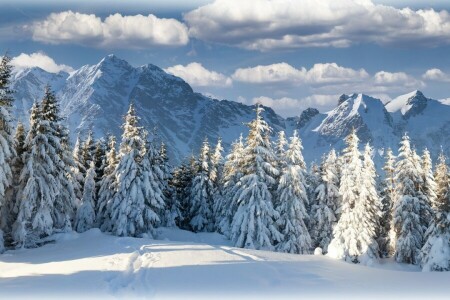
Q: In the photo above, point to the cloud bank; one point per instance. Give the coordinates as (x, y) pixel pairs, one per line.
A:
(266, 24)
(40, 60)
(115, 31)
(197, 75)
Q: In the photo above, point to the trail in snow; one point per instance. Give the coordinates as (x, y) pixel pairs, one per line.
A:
(97, 265)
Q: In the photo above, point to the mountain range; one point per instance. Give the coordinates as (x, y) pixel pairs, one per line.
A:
(95, 97)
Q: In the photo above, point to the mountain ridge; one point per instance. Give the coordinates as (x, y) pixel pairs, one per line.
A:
(97, 96)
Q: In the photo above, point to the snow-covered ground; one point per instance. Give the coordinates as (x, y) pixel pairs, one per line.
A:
(184, 265)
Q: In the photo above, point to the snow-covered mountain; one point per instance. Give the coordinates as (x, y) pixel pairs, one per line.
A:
(97, 96)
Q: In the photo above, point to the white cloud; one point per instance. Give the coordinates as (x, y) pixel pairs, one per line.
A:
(288, 107)
(436, 75)
(275, 73)
(40, 60)
(327, 73)
(115, 31)
(197, 75)
(266, 24)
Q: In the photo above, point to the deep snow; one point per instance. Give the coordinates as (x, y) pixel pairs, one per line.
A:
(182, 264)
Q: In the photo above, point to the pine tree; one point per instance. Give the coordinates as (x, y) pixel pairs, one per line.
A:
(85, 217)
(65, 201)
(202, 193)
(38, 182)
(253, 224)
(107, 187)
(372, 207)
(291, 197)
(409, 233)
(6, 140)
(133, 210)
(180, 182)
(353, 237)
(16, 167)
(280, 148)
(232, 174)
(78, 170)
(171, 215)
(216, 176)
(88, 150)
(323, 211)
(100, 162)
(387, 193)
(435, 255)
(312, 182)
(425, 215)
(428, 188)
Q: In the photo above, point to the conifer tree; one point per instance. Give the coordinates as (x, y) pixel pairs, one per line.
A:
(387, 193)
(66, 201)
(325, 206)
(353, 237)
(38, 182)
(133, 210)
(312, 182)
(428, 188)
(435, 255)
(216, 176)
(231, 181)
(409, 233)
(202, 193)
(372, 207)
(85, 217)
(425, 215)
(78, 170)
(180, 183)
(253, 224)
(291, 198)
(6, 140)
(16, 167)
(107, 187)
(88, 150)
(100, 162)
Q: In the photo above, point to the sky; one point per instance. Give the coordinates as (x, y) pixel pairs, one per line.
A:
(287, 54)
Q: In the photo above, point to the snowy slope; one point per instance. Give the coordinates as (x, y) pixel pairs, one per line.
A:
(96, 265)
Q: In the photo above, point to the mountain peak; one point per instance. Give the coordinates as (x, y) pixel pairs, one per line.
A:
(409, 104)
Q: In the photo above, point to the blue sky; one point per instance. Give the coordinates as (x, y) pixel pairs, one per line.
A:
(288, 54)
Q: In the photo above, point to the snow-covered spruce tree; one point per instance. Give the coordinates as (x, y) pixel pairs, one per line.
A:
(442, 180)
(425, 214)
(88, 150)
(216, 176)
(65, 201)
(202, 193)
(409, 233)
(180, 182)
(372, 209)
(107, 187)
(387, 194)
(171, 215)
(323, 210)
(291, 198)
(254, 224)
(280, 148)
(232, 174)
(312, 182)
(16, 167)
(78, 170)
(6, 139)
(38, 182)
(85, 217)
(428, 188)
(133, 210)
(435, 255)
(100, 162)
(353, 236)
